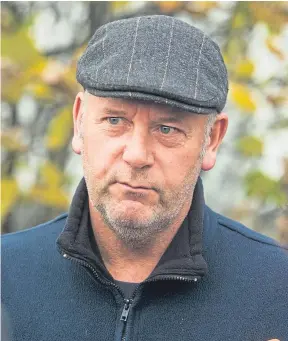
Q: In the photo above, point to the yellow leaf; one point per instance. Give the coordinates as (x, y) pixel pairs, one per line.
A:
(51, 174)
(9, 195)
(169, 6)
(239, 20)
(17, 80)
(273, 13)
(244, 69)
(275, 50)
(119, 5)
(37, 68)
(242, 97)
(48, 191)
(50, 196)
(20, 47)
(40, 90)
(59, 129)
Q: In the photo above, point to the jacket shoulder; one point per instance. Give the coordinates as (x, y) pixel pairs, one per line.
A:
(47, 231)
(245, 232)
(243, 253)
(248, 234)
(241, 239)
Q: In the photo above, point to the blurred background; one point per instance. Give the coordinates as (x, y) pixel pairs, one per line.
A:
(41, 43)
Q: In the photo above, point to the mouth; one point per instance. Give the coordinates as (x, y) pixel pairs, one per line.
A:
(135, 186)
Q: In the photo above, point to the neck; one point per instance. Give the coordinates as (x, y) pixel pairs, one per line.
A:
(131, 265)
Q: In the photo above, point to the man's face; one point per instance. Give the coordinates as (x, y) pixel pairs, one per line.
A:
(141, 162)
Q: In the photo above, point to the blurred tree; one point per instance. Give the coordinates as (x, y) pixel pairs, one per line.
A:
(41, 145)
(39, 86)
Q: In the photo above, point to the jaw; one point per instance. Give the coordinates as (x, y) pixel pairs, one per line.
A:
(132, 212)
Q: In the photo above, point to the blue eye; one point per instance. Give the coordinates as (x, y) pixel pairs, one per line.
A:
(114, 120)
(165, 129)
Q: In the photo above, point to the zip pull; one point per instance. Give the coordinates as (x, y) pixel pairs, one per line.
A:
(125, 310)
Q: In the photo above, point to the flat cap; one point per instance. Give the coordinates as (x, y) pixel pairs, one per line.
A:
(155, 58)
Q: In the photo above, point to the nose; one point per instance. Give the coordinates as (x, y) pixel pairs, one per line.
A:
(137, 151)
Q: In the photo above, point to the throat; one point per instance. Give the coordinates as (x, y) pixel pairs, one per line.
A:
(122, 262)
(130, 264)
(131, 272)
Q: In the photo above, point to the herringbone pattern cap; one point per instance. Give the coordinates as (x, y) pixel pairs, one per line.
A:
(155, 58)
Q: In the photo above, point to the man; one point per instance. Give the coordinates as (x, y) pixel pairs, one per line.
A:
(140, 256)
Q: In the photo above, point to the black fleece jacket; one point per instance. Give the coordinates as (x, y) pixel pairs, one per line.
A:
(70, 295)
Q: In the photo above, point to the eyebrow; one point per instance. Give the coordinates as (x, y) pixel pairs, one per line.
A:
(115, 112)
(169, 119)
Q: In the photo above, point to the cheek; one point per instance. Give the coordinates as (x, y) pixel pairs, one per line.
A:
(99, 153)
(178, 166)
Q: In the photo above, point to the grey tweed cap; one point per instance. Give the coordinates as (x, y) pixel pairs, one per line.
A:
(155, 58)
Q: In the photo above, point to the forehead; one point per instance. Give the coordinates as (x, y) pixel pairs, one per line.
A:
(130, 106)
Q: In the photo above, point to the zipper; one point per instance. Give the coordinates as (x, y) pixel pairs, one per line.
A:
(128, 302)
(120, 334)
(126, 309)
(176, 278)
(120, 330)
(87, 265)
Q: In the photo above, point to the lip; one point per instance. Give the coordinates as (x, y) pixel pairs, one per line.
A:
(138, 187)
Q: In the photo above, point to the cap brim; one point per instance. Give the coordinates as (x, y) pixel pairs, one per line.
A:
(196, 109)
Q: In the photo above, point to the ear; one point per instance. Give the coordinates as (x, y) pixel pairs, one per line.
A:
(214, 140)
(77, 113)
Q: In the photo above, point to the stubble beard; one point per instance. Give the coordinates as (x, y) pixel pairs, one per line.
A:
(140, 232)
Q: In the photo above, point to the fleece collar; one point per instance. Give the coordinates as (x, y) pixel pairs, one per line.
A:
(183, 258)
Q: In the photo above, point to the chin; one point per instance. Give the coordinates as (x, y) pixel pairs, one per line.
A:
(131, 210)
(130, 206)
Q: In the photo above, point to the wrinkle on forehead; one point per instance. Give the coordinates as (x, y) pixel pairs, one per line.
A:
(133, 106)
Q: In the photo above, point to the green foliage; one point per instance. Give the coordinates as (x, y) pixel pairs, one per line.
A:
(48, 190)
(19, 47)
(53, 86)
(281, 124)
(26, 71)
(21, 63)
(250, 146)
(59, 129)
(9, 195)
(262, 187)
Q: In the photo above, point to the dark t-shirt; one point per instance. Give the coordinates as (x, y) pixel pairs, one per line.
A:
(127, 288)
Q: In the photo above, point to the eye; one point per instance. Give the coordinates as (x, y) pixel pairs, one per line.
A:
(114, 120)
(166, 129)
